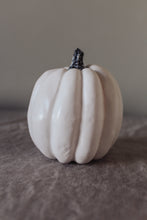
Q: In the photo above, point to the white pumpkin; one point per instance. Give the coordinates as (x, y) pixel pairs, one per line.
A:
(75, 113)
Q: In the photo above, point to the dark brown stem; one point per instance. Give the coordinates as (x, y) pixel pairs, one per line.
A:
(77, 60)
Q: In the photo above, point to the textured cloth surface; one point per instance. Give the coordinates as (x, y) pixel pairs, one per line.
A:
(34, 187)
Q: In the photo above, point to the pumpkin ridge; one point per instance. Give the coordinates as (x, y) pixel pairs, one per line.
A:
(80, 122)
(104, 109)
(87, 144)
(110, 122)
(49, 125)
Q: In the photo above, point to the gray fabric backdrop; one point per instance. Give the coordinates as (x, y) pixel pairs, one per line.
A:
(38, 35)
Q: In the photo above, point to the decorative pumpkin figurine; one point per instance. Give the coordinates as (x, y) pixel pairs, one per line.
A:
(75, 112)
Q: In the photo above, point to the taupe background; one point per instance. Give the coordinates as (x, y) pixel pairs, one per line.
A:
(36, 35)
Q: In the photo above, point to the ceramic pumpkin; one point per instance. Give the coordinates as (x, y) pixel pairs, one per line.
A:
(75, 112)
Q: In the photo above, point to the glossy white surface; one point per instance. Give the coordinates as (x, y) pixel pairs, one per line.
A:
(75, 115)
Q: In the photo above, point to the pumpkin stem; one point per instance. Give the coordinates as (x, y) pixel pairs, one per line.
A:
(77, 60)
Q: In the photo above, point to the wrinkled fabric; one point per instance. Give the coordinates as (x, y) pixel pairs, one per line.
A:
(34, 187)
